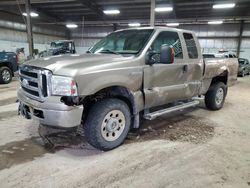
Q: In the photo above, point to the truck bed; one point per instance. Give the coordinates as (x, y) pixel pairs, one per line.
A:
(218, 66)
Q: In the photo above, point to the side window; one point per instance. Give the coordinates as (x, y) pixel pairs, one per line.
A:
(191, 46)
(169, 38)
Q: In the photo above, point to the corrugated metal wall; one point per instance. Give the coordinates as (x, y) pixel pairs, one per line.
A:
(215, 37)
(225, 36)
(211, 37)
(13, 35)
(88, 36)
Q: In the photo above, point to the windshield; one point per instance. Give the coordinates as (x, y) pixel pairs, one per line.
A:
(56, 44)
(123, 42)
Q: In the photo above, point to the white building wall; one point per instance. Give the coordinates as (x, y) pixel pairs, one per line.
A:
(10, 40)
(212, 37)
(88, 36)
(225, 36)
(13, 35)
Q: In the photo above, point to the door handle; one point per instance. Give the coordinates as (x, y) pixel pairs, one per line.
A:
(185, 68)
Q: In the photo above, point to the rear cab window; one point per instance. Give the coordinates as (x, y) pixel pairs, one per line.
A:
(191, 46)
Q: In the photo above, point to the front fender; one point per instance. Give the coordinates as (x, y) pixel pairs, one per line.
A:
(91, 83)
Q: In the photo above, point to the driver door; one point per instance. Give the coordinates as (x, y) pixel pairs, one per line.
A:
(165, 83)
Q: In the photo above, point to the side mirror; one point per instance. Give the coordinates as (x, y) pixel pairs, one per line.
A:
(167, 54)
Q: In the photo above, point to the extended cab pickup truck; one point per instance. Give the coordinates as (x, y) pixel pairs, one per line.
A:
(8, 65)
(128, 74)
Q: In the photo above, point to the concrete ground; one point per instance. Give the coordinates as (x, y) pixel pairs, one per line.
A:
(192, 148)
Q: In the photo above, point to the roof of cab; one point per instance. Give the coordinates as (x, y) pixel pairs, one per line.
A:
(158, 28)
(62, 41)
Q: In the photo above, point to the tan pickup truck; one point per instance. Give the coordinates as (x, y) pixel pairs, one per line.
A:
(124, 76)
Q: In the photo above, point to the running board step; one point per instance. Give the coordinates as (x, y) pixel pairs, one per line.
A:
(153, 115)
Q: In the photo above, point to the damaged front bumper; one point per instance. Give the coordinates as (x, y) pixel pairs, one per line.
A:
(51, 112)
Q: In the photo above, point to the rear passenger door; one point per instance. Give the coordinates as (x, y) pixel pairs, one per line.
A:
(195, 65)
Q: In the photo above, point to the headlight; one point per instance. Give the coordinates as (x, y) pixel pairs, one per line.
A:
(63, 86)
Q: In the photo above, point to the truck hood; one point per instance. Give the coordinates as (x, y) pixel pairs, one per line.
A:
(73, 64)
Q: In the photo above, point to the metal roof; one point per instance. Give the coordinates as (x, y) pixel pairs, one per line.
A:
(63, 11)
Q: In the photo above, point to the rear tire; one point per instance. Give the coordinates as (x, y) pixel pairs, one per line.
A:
(107, 124)
(215, 97)
(5, 75)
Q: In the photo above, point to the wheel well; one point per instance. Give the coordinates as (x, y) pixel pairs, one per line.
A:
(118, 92)
(7, 64)
(221, 78)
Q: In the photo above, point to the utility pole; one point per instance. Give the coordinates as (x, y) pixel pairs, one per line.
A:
(29, 29)
(240, 37)
(114, 26)
(83, 22)
(152, 14)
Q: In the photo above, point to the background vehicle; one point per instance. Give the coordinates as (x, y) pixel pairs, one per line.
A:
(124, 76)
(208, 55)
(59, 47)
(244, 67)
(8, 65)
(225, 54)
(219, 55)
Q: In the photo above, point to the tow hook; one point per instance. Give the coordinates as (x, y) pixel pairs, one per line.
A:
(22, 110)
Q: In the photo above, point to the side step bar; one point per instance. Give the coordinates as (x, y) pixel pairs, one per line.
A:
(153, 115)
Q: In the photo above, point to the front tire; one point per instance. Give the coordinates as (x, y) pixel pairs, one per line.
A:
(215, 97)
(5, 75)
(107, 124)
(243, 73)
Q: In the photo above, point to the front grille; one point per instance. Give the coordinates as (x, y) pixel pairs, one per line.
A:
(35, 82)
(31, 74)
(35, 93)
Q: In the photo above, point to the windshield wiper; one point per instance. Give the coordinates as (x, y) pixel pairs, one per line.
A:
(109, 51)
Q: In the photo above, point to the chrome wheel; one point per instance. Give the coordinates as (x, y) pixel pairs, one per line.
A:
(6, 75)
(113, 125)
(219, 97)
